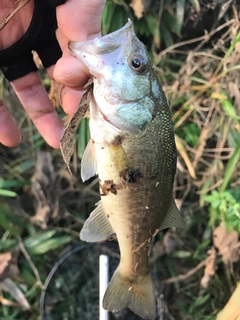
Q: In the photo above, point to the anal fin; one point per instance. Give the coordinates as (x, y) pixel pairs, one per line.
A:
(173, 217)
(97, 227)
(89, 162)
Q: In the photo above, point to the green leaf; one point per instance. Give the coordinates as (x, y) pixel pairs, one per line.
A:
(9, 222)
(7, 184)
(7, 244)
(107, 16)
(208, 182)
(233, 137)
(7, 193)
(236, 193)
(122, 3)
(49, 245)
(231, 166)
(166, 35)
(178, 101)
(120, 18)
(151, 20)
(201, 247)
(27, 276)
(182, 254)
(141, 27)
(196, 5)
(201, 300)
(44, 242)
(83, 137)
(24, 166)
(180, 10)
(172, 23)
(232, 47)
(230, 110)
(36, 240)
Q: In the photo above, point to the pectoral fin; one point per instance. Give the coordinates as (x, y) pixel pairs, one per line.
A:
(173, 218)
(119, 157)
(97, 227)
(89, 162)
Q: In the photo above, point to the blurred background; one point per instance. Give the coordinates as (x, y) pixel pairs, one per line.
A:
(195, 46)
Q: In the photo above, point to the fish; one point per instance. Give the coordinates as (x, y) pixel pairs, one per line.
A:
(132, 149)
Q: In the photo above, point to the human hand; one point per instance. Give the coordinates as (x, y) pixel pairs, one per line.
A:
(77, 21)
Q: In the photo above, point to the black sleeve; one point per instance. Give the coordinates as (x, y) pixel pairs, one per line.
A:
(55, 3)
(17, 61)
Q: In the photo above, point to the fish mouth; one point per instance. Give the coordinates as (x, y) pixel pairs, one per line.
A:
(90, 52)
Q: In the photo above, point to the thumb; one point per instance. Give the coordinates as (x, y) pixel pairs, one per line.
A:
(79, 20)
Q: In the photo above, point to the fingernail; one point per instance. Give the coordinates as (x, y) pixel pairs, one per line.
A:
(67, 75)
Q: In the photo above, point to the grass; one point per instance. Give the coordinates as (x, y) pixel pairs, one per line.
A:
(43, 207)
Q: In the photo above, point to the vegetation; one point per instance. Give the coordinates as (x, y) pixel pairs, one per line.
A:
(195, 46)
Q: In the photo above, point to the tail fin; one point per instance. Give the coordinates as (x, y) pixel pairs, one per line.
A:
(137, 295)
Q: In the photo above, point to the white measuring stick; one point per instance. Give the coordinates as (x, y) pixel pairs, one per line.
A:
(103, 283)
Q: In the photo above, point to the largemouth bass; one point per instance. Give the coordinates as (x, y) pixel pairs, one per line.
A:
(132, 150)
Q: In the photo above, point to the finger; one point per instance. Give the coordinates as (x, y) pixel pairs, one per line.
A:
(71, 72)
(63, 42)
(85, 18)
(34, 98)
(9, 133)
(70, 98)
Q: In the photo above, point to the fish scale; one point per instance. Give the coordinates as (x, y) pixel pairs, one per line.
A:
(132, 150)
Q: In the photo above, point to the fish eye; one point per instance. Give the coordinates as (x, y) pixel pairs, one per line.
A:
(138, 63)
